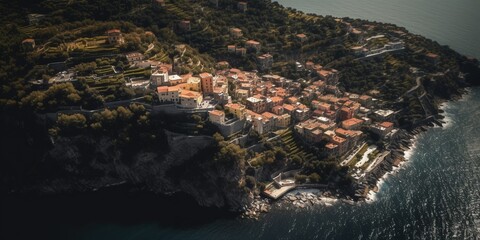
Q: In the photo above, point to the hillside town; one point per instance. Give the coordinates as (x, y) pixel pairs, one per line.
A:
(315, 110)
(199, 98)
(321, 115)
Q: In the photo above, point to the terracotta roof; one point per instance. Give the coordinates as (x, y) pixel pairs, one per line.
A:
(113, 31)
(338, 140)
(217, 113)
(252, 42)
(189, 94)
(28, 40)
(317, 132)
(352, 121)
(223, 63)
(162, 89)
(205, 75)
(288, 107)
(234, 106)
(268, 115)
(365, 97)
(293, 99)
(331, 146)
(174, 88)
(386, 124)
(432, 55)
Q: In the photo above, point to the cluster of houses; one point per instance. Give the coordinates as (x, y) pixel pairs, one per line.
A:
(318, 113)
(188, 91)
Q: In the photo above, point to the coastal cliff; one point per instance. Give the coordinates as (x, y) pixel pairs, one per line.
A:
(86, 163)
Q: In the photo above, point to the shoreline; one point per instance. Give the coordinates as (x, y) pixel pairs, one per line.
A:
(299, 198)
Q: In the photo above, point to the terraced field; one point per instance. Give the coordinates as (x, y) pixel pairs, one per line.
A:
(292, 147)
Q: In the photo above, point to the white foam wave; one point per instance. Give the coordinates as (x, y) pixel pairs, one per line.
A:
(447, 118)
(467, 95)
(372, 195)
(411, 150)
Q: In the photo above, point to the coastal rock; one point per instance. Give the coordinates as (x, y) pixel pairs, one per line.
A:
(84, 163)
(292, 198)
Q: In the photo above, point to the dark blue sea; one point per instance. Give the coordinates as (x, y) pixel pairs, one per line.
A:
(434, 195)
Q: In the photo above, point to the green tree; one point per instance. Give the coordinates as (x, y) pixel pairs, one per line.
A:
(314, 177)
(71, 122)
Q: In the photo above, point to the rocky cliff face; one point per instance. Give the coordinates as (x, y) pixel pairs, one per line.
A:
(85, 163)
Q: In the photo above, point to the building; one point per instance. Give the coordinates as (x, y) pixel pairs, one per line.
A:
(238, 110)
(168, 94)
(332, 150)
(216, 116)
(277, 101)
(302, 37)
(314, 136)
(241, 51)
(242, 6)
(329, 76)
(432, 58)
(257, 105)
(35, 18)
(134, 57)
(342, 144)
(253, 45)
(185, 25)
(190, 99)
(207, 82)
(384, 115)
(115, 37)
(28, 44)
(345, 113)
(279, 110)
(159, 78)
(236, 32)
(301, 113)
(310, 130)
(175, 80)
(356, 34)
(382, 129)
(242, 94)
(365, 100)
(352, 136)
(359, 51)
(352, 124)
(265, 62)
(283, 121)
(231, 48)
(192, 84)
(223, 64)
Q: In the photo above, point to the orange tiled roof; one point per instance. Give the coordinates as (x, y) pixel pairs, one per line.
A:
(113, 31)
(189, 94)
(386, 124)
(352, 121)
(205, 75)
(162, 89)
(217, 113)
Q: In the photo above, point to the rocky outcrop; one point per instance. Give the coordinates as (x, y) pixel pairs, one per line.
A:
(87, 163)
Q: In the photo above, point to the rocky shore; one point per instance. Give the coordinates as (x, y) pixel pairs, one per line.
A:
(402, 142)
(305, 198)
(258, 206)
